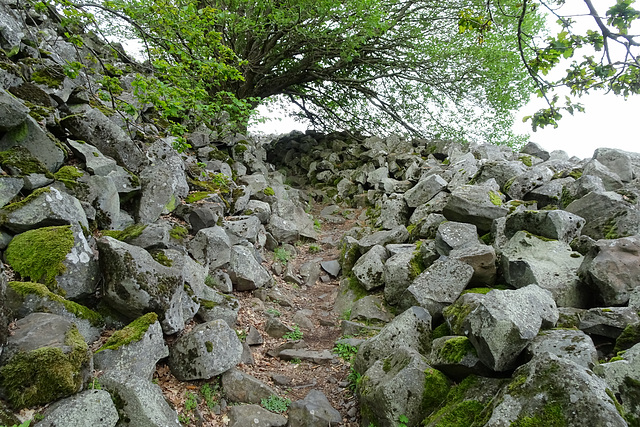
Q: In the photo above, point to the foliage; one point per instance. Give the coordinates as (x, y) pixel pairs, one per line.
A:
(294, 335)
(317, 225)
(273, 312)
(282, 255)
(24, 424)
(211, 394)
(354, 378)
(314, 249)
(275, 404)
(402, 421)
(346, 351)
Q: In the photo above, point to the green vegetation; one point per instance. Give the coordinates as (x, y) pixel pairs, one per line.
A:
(294, 335)
(129, 233)
(317, 225)
(269, 191)
(282, 255)
(551, 416)
(211, 394)
(190, 404)
(178, 232)
(68, 175)
(273, 312)
(495, 198)
(275, 404)
(456, 348)
(161, 258)
(346, 351)
(45, 374)
(314, 249)
(197, 196)
(34, 195)
(526, 160)
(629, 337)
(24, 424)
(436, 388)
(133, 332)
(39, 254)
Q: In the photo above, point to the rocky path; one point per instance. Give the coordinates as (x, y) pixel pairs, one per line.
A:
(302, 298)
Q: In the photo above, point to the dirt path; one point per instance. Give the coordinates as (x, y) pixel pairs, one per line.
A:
(291, 379)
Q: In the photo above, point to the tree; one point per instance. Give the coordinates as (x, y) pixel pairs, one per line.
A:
(361, 65)
(603, 57)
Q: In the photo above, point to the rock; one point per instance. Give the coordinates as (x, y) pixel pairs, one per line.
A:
(456, 357)
(455, 235)
(370, 308)
(241, 387)
(395, 387)
(135, 283)
(501, 324)
(241, 228)
(611, 268)
(554, 224)
(551, 390)
(482, 259)
(617, 161)
(283, 230)
(91, 125)
(60, 257)
(424, 190)
(580, 188)
(39, 143)
(211, 247)
(9, 188)
(245, 272)
(90, 407)
(410, 329)
(207, 350)
(45, 207)
(610, 179)
(12, 111)
(438, 286)
(142, 401)
(534, 149)
(607, 322)
(254, 415)
(332, 267)
(566, 344)
(135, 349)
(262, 210)
(319, 357)
(369, 268)
(310, 272)
(622, 377)
(393, 213)
(44, 359)
(475, 204)
(550, 264)
(313, 411)
(521, 185)
(608, 215)
(382, 238)
(24, 298)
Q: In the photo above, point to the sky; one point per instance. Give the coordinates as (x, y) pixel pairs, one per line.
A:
(609, 121)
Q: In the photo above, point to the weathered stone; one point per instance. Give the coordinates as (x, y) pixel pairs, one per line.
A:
(394, 213)
(535, 149)
(455, 235)
(608, 215)
(478, 205)
(318, 357)
(522, 184)
(610, 179)
(90, 407)
(12, 111)
(40, 144)
(242, 387)
(382, 238)
(424, 190)
(607, 322)
(313, 411)
(623, 377)
(617, 161)
(211, 247)
(254, 415)
(283, 230)
(370, 308)
(554, 224)
(245, 272)
(207, 350)
(567, 344)
(482, 258)
(456, 357)
(369, 269)
(9, 188)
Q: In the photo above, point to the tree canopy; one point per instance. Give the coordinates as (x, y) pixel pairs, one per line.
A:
(456, 69)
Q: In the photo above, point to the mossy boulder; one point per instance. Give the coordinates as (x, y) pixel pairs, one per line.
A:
(37, 141)
(45, 359)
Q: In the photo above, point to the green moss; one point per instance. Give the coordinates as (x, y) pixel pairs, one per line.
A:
(49, 76)
(416, 265)
(455, 349)
(526, 160)
(30, 288)
(386, 364)
(131, 232)
(358, 290)
(551, 416)
(133, 332)
(436, 388)
(161, 258)
(269, 191)
(566, 198)
(482, 291)
(209, 346)
(495, 198)
(34, 195)
(68, 175)
(178, 232)
(39, 254)
(21, 158)
(629, 337)
(487, 239)
(441, 331)
(197, 196)
(207, 304)
(455, 315)
(508, 184)
(240, 148)
(43, 375)
(544, 239)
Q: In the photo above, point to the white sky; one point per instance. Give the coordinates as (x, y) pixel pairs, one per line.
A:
(609, 120)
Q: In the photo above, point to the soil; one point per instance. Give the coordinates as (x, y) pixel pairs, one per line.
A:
(297, 378)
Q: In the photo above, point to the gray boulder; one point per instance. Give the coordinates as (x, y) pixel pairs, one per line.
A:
(608, 215)
(370, 308)
(135, 283)
(623, 378)
(551, 390)
(398, 275)
(482, 259)
(90, 407)
(45, 207)
(455, 235)
(383, 238)
(550, 264)
(394, 213)
(30, 135)
(475, 204)
(580, 188)
(522, 184)
(284, 231)
(410, 329)
(536, 150)
(501, 324)
(9, 188)
(136, 357)
(369, 269)
(142, 401)
(501, 171)
(394, 387)
(424, 190)
(254, 415)
(567, 344)
(438, 286)
(245, 271)
(611, 267)
(241, 387)
(610, 179)
(207, 350)
(456, 357)
(607, 322)
(211, 247)
(12, 111)
(313, 411)
(242, 228)
(554, 224)
(616, 160)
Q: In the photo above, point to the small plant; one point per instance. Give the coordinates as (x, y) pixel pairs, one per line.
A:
(275, 404)
(346, 351)
(316, 225)
(282, 255)
(314, 249)
(242, 334)
(94, 384)
(296, 361)
(273, 312)
(294, 335)
(190, 404)
(402, 421)
(210, 394)
(354, 378)
(24, 424)
(210, 281)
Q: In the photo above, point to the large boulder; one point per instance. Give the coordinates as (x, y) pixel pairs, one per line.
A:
(211, 247)
(30, 135)
(245, 271)
(475, 204)
(207, 350)
(608, 215)
(313, 411)
(369, 269)
(622, 376)
(424, 190)
(554, 224)
(90, 407)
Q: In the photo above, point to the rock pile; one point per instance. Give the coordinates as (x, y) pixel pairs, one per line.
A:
(474, 255)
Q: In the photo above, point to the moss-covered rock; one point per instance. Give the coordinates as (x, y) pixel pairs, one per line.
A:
(39, 254)
(129, 233)
(134, 331)
(21, 159)
(68, 175)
